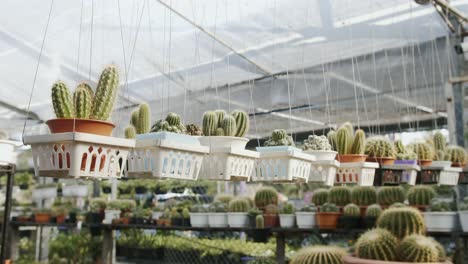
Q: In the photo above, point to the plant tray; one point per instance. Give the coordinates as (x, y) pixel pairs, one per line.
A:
(7, 148)
(396, 174)
(282, 164)
(360, 173)
(324, 171)
(166, 155)
(463, 179)
(78, 155)
(439, 175)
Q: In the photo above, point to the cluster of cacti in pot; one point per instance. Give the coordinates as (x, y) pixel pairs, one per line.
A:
(237, 212)
(328, 216)
(305, 217)
(199, 216)
(266, 199)
(320, 147)
(139, 122)
(73, 113)
(349, 143)
(279, 137)
(404, 153)
(219, 123)
(441, 216)
(286, 215)
(172, 123)
(457, 155)
(423, 151)
(217, 216)
(380, 149)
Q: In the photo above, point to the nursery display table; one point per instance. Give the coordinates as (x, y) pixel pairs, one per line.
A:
(439, 175)
(396, 174)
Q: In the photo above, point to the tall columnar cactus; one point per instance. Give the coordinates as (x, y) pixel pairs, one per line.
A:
(378, 244)
(340, 195)
(259, 221)
(242, 122)
(378, 147)
(364, 195)
(359, 142)
(456, 154)
(320, 196)
(421, 195)
(135, 117)
(210, 123)
(374, 210)
(422, 150)
(399, 147)
(417, 248)
(439, 145)
(389, 195)
(332, 138)
(62, 101)
(130, 132)
(344, 140)
(349, 127)
(220, 116)
(319, 254)
(143, 124)
(351, 210)
(229, 126)
(83, 100)
(239, 205)
(106, 92)
(402, 222)
(266, 196)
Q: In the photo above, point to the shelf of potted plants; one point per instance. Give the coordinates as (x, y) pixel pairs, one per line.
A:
(324, 168)
(228, 159)
(81, 145)
(281, 161)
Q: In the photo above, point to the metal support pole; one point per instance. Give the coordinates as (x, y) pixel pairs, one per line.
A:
(280, 248)
(10, 170)
(108, 246)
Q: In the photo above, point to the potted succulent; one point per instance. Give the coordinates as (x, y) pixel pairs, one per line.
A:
(424, 153)
(237, 212)
(252, 215)
(363, 196)
(124, 218)
(199, 216)
(350, 144)
(457, 155)
(319, 254)
(372, 213)
(127, 205)
(286, 215)
(140, 216)
(306, 216)
(42, 215)
(340, 196)
(328, 216)
(96, 211)
(158, 211)
(379, 149)
(23, 179)
(351, 218)
(319, 197)
(260, 234)
(125, 187)
(217, 216)
(420, 196)
(265, 196)
(319, 147)
(463, 214)
(140, 186)
(270, 215)
(112, 211)
(439, 145)
(441, 217)
(60, 213)
(389, 195)
(404, 156)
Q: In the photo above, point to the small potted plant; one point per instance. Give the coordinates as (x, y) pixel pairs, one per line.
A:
(463, 214)
(379, 149)
(259, 234)
(73, 214)
(420, 196)
(25, 215)
(404, 156)
(287, 215)
(389, 195)
(363, 196)
(164, 219)
(140, 186)
(340, 196)
(23, 180)
(372, 213)
(125, 187)
(350, 144)
(199, 216)
(127, 205)
(218, 215)
(440, 217)
(60, 213)
(158, 211)
(328, 216)
(265, 196)
(424, 152)
(96, 211)
(319, 197)
(176, 217)
(439, 144)
(252, 215)
(270, 215)
(124, 218)
(42, 215)
(306, 216)
(112, 211)
(319, 147)
(237, 212)
(457, 155)
(351, 218)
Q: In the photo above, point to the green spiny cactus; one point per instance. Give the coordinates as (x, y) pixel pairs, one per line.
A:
(421, 195)
(389, 195)
(456, 154)
(351, 210)
(210, 123)
(329, 208)
(378, 147)
(224, 198)
(340, 195)
(83, 100)
(349, 127)
(320, 196)
(220, 116)
(193, 130)
(219, 132)
(239, 205)
(242, 122)
(343, 141)
(143, 124)
(174, 119)
(271, 209)
(134, 118)
(332, 138)
(106, 92)
(130, 132)
(309, 208)
(279, 137)
(418, 248)
(266, 196)
(402, 222)
(439, 141)
(259, 221)
(378, 244)
(62, 101)
(422, 150)
(287, 208)
(359, 142)
(364, 195)
(229, 126)
(374, 210)
(399, 147)
(319, 255)
(397, 205)
(278, 134)
(440, 249)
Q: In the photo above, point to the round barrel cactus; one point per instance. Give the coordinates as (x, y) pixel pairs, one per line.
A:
(378, 244)
(319, 254)
(364, 195)
(374, 210)
(402, 222)
(239, 205)
(421, 195)
(320, 196)
(389, 195)
(340, 195)
(351, 210)
(456, 154)
(418, 248)
(266, 196)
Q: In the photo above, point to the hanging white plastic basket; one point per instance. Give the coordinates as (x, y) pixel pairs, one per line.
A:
(360, 173)
(7, 154)
(324, 171)
(440, 175)
(78, 155)
(166, 155)
(282, 164)
(399, 174)
(75, 190)
(228, 159)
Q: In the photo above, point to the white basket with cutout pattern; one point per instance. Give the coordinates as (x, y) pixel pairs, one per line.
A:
(360, 173)
(324, 171)
(79, 155)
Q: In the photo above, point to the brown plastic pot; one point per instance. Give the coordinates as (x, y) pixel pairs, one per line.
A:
(91, 126)
(424, 163)
(458, 165)
(351, 158)
(382, 160)
(327, 220)
(60, 219)
(271, 220)
(353, 260)
(42, 217)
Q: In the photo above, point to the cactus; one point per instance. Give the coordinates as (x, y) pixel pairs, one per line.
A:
(210, 123)
(223, 198)
(374, 210)
(266, 196)
(130, 132)
(329, 208)
(185, 213)
(378, 147)
(172, 123)
(217, 207)
(343, 139)
(407, 156)
(259, 221)
(271, 209)
(193, 130)
(402, 222)
(331, 136)
(173, 119)
(279, 137)
(397, 205)
(287, 208)
(439, 141)
(364, 195)
(220, 116)
(309, 208)
(421, 195)
(399, 147)
(239, 205)
(378, 244)
(320, 196)
(62, 101)
(219, 132)
(229, 126)
(319, 254)
(359, 142)
(83, 100)
(135, 117)
(422, 150)
(418, 248)
(340, 195)
(351, 210)
(314, 142)
(106, 92)
(242, 122)
(440, 250)
(143, 124)
(455, 154)
(389, 195)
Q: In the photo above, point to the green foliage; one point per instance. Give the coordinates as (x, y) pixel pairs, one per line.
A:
(340, 195)
(440, 206)
(332, 138)
(374, 210)
(418, 248)
(351, 210)
(265, 196)
(62, 101)
(287, 208)
(309, 208)
(402, 221)
(78, 248)
(224, 198)
(279, 137)
(97, 204)
(113, 205)
(319, 254)
(378, 244)
(217, 207)
(421, 195)
(106, 92)
(239, 205)
(377, 147)
(130, 132)
(320, 196)
(364, 195)
(422, 150)
(198, 208)
(455, 154)
(83, 100)
(259, 221)
(23, 178)
(389, 195)
(329, 208)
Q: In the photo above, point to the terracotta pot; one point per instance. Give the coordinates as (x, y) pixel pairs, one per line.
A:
(271, 220)
(42, 217)
(23, 219)
(327, 220)
(161, 222)
(424, 163)
(458, 165)
(60, 219)
(97, 127)
(351, 158)
(125, 220)
(382, 160)
(353, 260)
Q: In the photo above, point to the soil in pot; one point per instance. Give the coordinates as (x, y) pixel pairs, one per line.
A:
(271, 220)
(42, 217)
(327, 220)
(369, 222)
(349, 222)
